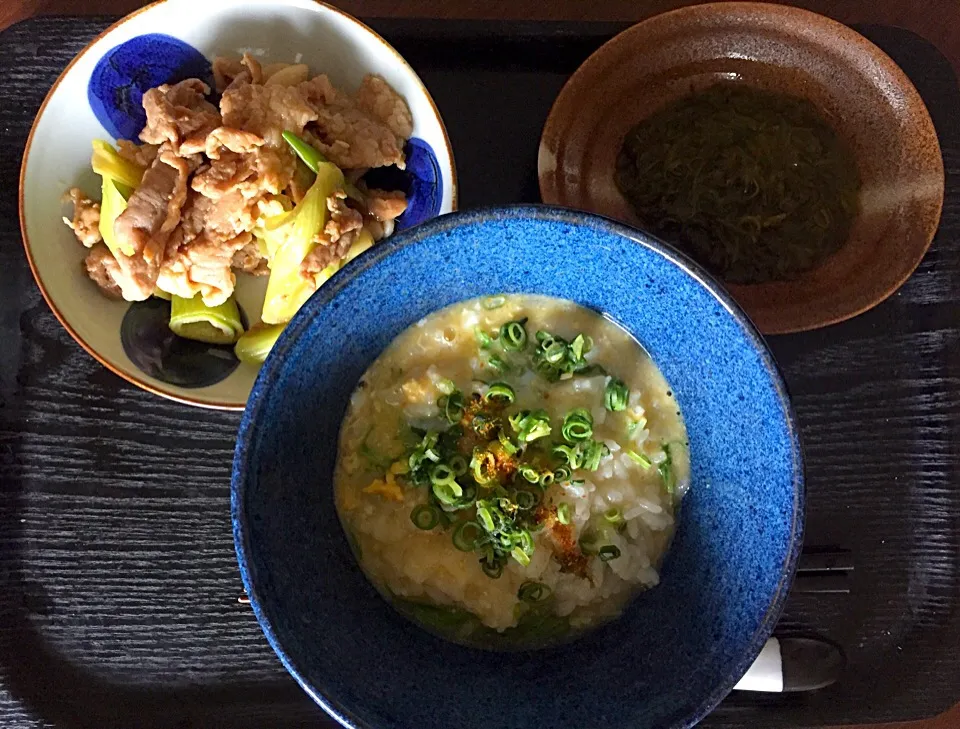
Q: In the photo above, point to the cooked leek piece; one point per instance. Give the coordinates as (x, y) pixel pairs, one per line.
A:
(313, 158)
(112, 203)
(106, 161)
(294, 235)
(192, 319)
(269, 241)
(254, 346)
(310, 155)
(363, 242)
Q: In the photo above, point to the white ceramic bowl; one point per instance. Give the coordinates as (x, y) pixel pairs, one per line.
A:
(57, 155)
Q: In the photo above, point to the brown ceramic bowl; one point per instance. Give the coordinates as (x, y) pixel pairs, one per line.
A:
(864, 94)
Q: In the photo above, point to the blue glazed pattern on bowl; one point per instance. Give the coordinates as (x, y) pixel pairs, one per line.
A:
(421, 181)
(125, 73)
(679, 648)
(424, 187)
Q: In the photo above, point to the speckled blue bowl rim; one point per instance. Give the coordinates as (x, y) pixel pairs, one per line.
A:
(445, 223)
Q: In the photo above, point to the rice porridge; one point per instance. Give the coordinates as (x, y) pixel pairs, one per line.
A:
(510, 470)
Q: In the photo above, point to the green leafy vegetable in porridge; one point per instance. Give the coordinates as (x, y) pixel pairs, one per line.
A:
(526, 478)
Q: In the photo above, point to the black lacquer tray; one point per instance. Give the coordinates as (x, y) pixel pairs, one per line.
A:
(118, 582)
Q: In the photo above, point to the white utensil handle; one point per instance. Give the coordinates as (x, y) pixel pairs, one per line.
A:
(766, 673)
(795, 663)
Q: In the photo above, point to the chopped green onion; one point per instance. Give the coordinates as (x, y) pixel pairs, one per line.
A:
(522, 557)
(546, 478)
(588, 542)
(425, 517)
(483, 339)
(555, 358)
(555, 352)
(593, 453)
(613, 515)
(486, 518)
(573, 456)
(424, 451)
(530, 425)
(538, 429)
(492, 569)
(563, 512)
(616, 395)
(443, 474)
(577, 425)
(458, 464)
(526, 542)
(527, 500)
(453, 406)
(577, 346)
(529, 473)
(665, 469)
(484, 466)
(468, 498)
(497, 364)
(466, 536)
(500, 391)
(561, 474)
(513, 335)
(639, 459)
(516, 419)
(608, 552)
(508, 445)
(493, 302)
(447, 492)
(533, 592)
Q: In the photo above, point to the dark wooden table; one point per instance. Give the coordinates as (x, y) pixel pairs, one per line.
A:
(936, 20)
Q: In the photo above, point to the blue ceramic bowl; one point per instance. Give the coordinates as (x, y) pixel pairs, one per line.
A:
(679, 648)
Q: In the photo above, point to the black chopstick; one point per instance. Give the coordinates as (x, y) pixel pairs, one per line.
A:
(824, 570)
